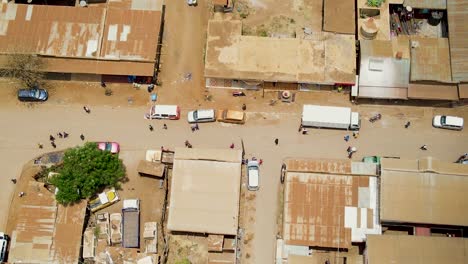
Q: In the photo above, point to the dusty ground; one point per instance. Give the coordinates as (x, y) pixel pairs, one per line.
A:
(274, 18)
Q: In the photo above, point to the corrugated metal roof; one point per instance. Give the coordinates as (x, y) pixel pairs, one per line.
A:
(51, 30)
(205, 188)
(389, 249)
(316, 209)
(322, 57)
(433, 91)
(457, 12)
(123, 32)
(430, 60)
(379, 67)
(345, 22)
(130, 35)
(319, 165)
(45, 232)
(463, 91)
(429, 191)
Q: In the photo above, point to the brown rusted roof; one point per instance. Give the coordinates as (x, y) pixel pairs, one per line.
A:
(314, 208)
(457, 12)
(430, 60)
(441, 91)
(320, 165)
(121, 32)
(463, 90)
(342, 23)
(130, 35)
(45, 232)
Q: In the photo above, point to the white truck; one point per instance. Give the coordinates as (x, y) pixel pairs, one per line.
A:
(131, 223)
(330, 117)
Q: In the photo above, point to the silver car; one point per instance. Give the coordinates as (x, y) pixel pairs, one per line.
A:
(201, 115)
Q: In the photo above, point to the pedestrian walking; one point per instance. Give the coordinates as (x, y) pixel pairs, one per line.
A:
(348, 149)
(197, 127)
(150, 127)
(407, 124)
(260, 162)
(164, 126)
(346, 138)
(276, 141)
(86, 109)
(244, 107)
(65, 134)
(231, 146)
(304, 131)
(103, 84)
(40, 145)
(423, 147)
(356, 134)
(193, 128)
(51, 138)
(13, 181)
(21, 194)
(60, 135)
(300, 128)
(53, 144)
(82, 137)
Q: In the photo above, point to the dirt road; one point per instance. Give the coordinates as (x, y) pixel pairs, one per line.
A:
(23, 127)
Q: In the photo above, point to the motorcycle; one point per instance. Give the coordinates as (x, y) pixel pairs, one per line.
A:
(238, 93)
(375, 118)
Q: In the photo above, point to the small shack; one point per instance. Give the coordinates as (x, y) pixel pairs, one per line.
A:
(151, 169)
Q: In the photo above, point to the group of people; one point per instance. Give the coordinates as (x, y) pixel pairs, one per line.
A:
(151, 128)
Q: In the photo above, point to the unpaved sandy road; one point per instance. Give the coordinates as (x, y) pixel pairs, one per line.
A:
(23, 128)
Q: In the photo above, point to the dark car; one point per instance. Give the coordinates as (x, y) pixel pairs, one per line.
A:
(33, 94)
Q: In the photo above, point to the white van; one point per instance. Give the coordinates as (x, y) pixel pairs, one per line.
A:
(171, 112)
(448, 122)
(253, 175)
(3, 247)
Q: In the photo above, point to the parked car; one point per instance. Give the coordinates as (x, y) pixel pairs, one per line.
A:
(371, 159)
(448, 122)
(231, 116)
(192, 2)
(3, 246)
(253, 175)
(199, 116)
(113, 147)
(32, 95)
(171, 112)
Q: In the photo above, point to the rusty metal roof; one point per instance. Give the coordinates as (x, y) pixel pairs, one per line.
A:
(457, 12)
(319, 165)
(130, 35)
(45, 232)
(123, 31)
(326, 204)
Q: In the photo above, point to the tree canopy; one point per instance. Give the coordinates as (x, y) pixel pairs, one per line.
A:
(85, 171)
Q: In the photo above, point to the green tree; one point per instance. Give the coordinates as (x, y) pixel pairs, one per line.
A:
(183, 261)
(85, 171)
